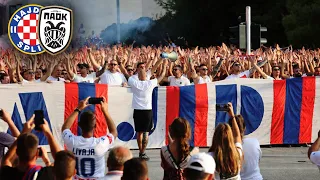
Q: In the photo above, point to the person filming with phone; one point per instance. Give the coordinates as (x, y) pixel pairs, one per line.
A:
(88, 150)
(27, 150)
(6, 140)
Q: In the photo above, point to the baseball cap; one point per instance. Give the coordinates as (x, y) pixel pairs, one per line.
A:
(206, 161)
(315, 158)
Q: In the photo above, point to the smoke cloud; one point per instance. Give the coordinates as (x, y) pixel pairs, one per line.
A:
(4, 2)
(133, 30)
(5, 42)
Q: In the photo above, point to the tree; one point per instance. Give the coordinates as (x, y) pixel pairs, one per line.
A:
(302, 23)
(207, 22)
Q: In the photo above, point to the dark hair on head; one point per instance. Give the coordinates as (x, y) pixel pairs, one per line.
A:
(201, 65)
(241, 124)
(178, 66)
(2, 75)
(192, 174)
(181, 131)
(135, 169)
(64, 165)
(27, 147)
(87, 121)
(23, 72)
(139, 63)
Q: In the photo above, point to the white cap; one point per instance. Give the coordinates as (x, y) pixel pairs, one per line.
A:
(208, 165)
(315, 158)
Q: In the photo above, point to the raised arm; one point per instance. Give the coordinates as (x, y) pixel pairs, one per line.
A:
(155, 67)
(54, 146)
(255, 66)
(217, 67)
(10, 156)
(69, 70)
(103, 69)
(50, 67)
(110, 123)
(70, 120)
(235, 128)
(14, 130)
(164, 69)
(92, 59)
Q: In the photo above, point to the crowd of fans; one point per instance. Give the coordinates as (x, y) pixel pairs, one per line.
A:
(113, 65)
(231, 156)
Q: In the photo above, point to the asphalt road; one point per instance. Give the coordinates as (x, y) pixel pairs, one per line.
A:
(290, 163)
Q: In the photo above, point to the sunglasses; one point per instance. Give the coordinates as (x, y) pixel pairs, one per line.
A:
(276, 69)
(30, 72)
(204, 69)
(91, 71)
(82, 67)
(236, 64)
(176, 69)
(113, 64)
(129, 69)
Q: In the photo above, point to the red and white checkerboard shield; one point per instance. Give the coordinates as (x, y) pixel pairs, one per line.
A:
(55, 28)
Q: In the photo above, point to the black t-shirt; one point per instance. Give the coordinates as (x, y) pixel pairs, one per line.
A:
(10, 173)
(46, 174)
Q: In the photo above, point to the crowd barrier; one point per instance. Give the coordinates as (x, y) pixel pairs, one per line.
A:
(275, 112)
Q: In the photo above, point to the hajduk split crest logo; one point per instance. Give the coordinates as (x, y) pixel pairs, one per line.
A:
(34, 29)
(55, 28)
(22, 29)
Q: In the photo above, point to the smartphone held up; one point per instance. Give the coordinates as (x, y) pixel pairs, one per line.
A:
(95, 100)
(222, 107)
(38, 119)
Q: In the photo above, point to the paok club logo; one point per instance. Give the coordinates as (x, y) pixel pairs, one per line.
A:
(55, 28)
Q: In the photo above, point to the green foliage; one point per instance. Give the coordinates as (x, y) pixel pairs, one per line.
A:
(207, 22)
(302, 23)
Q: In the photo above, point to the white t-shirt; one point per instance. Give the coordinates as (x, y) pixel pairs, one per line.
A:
(250, 167)
(50, 78)
(204, 80)
(89, 152)
(182, 81)
(137, 77)
(26, 81)
(315, 158)
(90, 78)
(244, 74)
(115, 79)
(142, 93)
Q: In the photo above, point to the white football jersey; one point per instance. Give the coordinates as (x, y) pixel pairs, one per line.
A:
(89, 152)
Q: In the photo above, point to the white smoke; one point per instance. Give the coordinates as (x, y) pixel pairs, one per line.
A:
(5, 42)
(4, 2)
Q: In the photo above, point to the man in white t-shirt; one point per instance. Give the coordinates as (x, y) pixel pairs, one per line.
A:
(142, 104)
(314, 152)
(203, 76)
(83, 77)
(178, 79)
(89, 151)
(112, 76)
(56, 74)
(236, 72)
